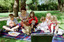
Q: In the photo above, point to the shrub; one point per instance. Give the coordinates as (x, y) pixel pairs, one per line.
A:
(50, 6)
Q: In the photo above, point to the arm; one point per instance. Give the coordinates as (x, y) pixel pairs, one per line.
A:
(15, 27)
(52, 28)
(20, 17)
(7, 28)
(30, 20)
(56, 28)
(7, 22)
(39, 24)
(16, 22)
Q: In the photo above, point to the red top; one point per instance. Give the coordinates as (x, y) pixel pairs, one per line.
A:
(30, 20)
(53, 26)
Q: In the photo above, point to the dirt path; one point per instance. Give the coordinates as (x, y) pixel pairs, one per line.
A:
(3, 18)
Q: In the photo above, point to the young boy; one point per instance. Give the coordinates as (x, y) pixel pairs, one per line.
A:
(11, 22)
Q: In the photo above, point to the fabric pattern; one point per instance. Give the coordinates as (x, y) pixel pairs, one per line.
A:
(22, 36)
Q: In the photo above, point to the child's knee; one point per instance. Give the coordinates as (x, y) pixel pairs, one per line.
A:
(4, 26)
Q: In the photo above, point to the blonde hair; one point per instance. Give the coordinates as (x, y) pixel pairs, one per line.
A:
(48, 15)
(42, 18)
(53, 17)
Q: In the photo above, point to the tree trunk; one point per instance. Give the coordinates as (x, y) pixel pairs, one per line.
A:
(36, 5)
(63, 5)
(63, 8)
(16, 8)
(23, 3)
(60, 5)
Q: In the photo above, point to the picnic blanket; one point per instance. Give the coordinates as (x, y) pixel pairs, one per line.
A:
(22, 36)
(58, 38)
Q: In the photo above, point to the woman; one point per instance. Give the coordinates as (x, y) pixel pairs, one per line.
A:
(24, 15)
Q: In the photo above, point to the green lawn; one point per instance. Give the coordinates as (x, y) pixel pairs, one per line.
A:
(39, 14)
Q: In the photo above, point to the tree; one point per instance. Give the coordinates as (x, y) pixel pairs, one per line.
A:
(6, 5)
(16, 8)
(35, 2)
(23, 3)
(61, 5)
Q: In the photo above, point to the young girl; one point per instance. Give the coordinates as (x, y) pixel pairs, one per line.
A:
(33, 21)
(48, 16)
(43, 26)
(54, 24)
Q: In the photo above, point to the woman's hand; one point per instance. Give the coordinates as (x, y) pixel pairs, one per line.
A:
(21, 18)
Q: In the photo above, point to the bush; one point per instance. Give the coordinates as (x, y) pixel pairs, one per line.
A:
(3, 9)
(31, 6)
(6, 5)
(50, 6)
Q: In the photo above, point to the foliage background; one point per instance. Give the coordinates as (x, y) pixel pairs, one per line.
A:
(7, 5)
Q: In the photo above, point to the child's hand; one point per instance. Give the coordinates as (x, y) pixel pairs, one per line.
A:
(12, 29)
(33, 21)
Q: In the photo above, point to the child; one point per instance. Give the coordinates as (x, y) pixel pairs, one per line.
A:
(11, 17)
(54, 24)
(26, 29)
(43, 26)
(48, 16)
(11, 22)
(33, 21)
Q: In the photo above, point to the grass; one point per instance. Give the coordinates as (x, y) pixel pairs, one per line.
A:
(39, 14)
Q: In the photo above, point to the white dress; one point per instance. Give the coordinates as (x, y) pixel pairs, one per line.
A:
(43, 26)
